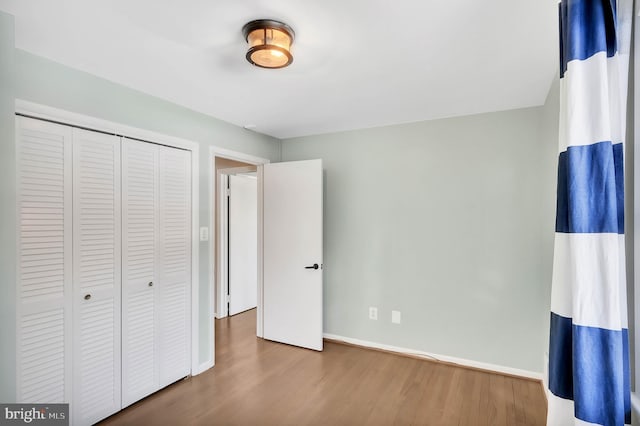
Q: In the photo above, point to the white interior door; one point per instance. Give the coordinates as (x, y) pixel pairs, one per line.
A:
(292, 253)
(243, 243)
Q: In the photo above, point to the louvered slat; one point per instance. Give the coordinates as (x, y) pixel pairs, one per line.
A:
(42, 358)
(140, 356)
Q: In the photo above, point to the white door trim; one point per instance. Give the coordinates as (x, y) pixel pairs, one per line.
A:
(221, 252)
(215, 251)
(79, 120)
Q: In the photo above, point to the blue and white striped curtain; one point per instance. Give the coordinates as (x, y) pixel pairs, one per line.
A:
(588, 351)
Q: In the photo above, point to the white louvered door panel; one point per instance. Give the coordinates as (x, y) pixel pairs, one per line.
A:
(43, 369)
(140, 264)
(96, 276)
(175, 264)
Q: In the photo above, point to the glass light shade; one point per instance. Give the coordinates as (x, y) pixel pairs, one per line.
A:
(269, 43)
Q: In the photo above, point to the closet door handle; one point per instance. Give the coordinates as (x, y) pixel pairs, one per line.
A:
(314, 266)
(150, 284)
(87, 296)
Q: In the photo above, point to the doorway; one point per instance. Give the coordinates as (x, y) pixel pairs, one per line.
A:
(241, 254)
(289, 217)
(235, 255)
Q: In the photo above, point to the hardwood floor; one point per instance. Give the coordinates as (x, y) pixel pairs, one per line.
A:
(257, 382)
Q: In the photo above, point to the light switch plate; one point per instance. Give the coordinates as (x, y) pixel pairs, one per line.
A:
(204, 233)
(395, 317)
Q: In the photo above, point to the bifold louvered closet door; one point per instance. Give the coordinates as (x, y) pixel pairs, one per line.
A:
(43, 308)
(96, 276)
(104, 272)
(140, 251)
(156, 268)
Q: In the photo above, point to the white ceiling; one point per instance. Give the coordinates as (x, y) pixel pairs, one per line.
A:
(357, 63)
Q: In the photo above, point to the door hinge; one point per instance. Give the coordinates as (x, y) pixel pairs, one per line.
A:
(228, 192)
(228, 298)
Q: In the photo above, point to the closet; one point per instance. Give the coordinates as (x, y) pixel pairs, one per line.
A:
(104, 268)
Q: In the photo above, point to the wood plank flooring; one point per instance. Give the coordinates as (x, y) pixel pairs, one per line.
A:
(257, 382)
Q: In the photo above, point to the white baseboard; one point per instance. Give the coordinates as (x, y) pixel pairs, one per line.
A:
(436, 357)
(635, 403)
(203, 367)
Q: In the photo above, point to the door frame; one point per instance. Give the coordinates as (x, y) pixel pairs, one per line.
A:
(215, 152)
(64, 117)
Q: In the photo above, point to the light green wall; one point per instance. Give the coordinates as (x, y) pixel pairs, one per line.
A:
(7, 212)
(49, 83)
(448, 221)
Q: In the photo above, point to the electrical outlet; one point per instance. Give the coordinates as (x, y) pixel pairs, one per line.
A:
(395, 317)
(373, 313)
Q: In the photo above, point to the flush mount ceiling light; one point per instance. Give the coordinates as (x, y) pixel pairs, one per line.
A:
(269, 43)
